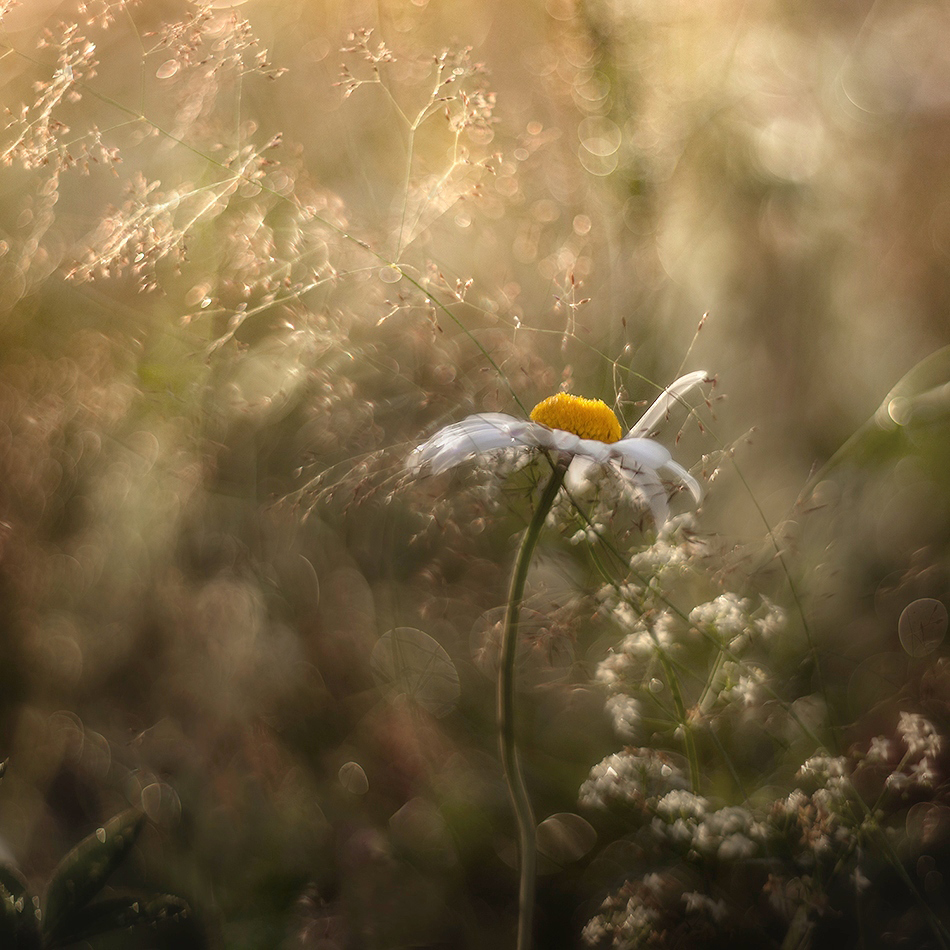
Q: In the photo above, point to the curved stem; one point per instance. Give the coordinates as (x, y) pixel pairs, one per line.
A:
(514, 777)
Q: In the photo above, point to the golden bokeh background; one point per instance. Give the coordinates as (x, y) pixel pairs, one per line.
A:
(239, 280)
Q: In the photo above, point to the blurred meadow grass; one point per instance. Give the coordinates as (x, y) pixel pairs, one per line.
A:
(251, 254)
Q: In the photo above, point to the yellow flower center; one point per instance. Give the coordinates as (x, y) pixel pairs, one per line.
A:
(587, 418)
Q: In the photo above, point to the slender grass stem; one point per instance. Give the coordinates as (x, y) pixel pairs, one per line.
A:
(689, 741)
(514, 777)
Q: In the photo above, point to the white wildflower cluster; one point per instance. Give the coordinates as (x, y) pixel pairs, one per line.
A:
(728, 615)
(648, 634)
(726, 834)
(662, 561)
(918, 766)
(826, 818)
(818, 830)
(624, 712)
(698, 903)
(589, 534)
(880, 750)
(679, 815)
(612, 669)
(919, 735)
(623, 603)
(744, 683)
(632, 777)
(831, 772)
(633, 916)
(825, 767)
(735, 621)
(732, 833)
(671, 556)
(769, 620)
(681, 804)
(649, 912)
(625, 614)
(792, 805)
(630, 926)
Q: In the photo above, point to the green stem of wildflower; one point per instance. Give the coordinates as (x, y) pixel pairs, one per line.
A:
(688, 739)
(514, 777)
(710, 690)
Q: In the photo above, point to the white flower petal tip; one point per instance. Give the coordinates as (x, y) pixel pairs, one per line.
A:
(638, 455)
(695, 489)
(667, 399)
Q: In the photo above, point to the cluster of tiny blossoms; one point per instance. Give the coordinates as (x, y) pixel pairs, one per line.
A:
(763, 864)
(721, 634)
(797, 850)
(632, 778)
(694, 827)
(671, 556)
(916, 752)
(736, 620)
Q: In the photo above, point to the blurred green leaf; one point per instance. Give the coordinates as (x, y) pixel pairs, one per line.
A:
(19, 928)
(123, 913)
(84, 871)
(917, 407)
(921, 397)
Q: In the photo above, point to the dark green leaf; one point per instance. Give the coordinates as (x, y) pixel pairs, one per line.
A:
(83, 872)
(13, 881)
(123, 913)
(19, 928)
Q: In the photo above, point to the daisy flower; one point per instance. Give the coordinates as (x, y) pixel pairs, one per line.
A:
(584, 432)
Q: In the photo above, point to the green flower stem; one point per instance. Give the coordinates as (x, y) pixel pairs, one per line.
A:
(514, 777)
(688, 741)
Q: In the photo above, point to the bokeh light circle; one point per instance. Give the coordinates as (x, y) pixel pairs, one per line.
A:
(922, 626)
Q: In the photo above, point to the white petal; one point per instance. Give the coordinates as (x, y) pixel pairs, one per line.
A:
(472, 436)
(665, 401)
(559, 440)
(687, 479)
(638, 453)
(579, 472)
(640, 459)
(556, 439)
(594, 450)
(646, 485)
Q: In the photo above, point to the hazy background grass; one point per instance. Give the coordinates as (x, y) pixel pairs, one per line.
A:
(201, 342)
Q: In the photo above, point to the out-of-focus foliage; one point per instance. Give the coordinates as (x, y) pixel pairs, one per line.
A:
(67, 917)
(239, 280)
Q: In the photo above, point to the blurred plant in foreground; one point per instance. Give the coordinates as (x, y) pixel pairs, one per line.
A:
(69, 914)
